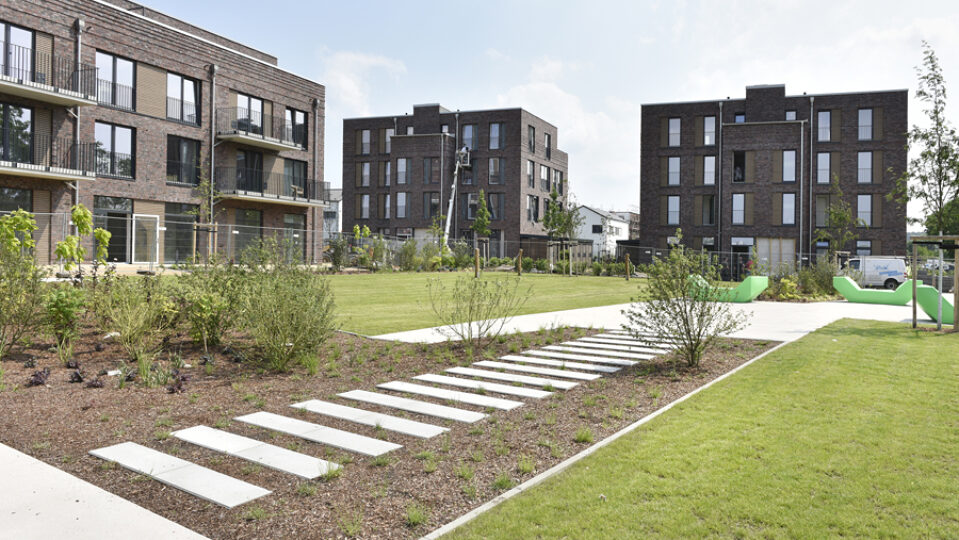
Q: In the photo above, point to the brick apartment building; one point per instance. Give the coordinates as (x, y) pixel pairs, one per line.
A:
(738, 174)
(398, 171)
(126, 110)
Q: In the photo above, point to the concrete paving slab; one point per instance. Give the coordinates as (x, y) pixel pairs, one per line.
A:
(452, 395)
(585, 348)
(194, 479)
(344, 440)
(507, 389)
(414, 405)
(373, 419)
(590, 355)
(612, 345)
(561, 373)
(216, 439)
(512, 377)
(558, 363)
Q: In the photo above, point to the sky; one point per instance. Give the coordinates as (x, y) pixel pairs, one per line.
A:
(584, 66)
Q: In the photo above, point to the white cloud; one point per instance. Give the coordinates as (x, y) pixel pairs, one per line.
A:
(347, 76)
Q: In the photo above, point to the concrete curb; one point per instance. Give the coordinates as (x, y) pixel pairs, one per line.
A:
(560, 467)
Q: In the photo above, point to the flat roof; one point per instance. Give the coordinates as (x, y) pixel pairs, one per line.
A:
(690, 102)
(447, 111)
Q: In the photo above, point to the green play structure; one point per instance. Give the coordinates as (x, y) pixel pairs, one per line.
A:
(851, 291)
(747, 291)
(928, 298)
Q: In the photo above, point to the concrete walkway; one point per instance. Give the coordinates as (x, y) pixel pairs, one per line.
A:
(39, 501)
(777, 321)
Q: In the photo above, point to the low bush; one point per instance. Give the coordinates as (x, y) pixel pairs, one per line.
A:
(475, 310)
(597, 268)
(64, 306)
(21, 286)
(141, 314)
(407, 258)
(337, 253)
(541, 265)
(527, 264)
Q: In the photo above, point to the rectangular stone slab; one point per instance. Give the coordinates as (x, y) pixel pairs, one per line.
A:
(453, 395)
(584, 355)
(610, 345)
(512, 377)
(414, 405)
(631, 339)
(558, 363)
(509, 390)
(194, 479)
(344, 440)
(369, 418)
(622, 355)
(653, 343)
(265, 454)
(564, 374)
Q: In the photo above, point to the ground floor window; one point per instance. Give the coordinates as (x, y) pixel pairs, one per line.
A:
(115, 215)
(247, 230)
(863, 247)
(15, 199)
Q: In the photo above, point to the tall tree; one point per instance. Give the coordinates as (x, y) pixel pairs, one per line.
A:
(946, 222)
(933, 175)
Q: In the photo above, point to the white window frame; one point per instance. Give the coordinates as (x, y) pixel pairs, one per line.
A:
(824, 126)
(365, 142)
(822, 173)
(789, 166)
(790, 116)
(672, 214)
(864, 171)
(494, 138)
(709, 131)
(789, 212)
(865, 124)
(675, 131)
(739, 214)
(401, 205)
(864, 209)
(672, 174)
(389, 140)
(402, 171)
(386, 207)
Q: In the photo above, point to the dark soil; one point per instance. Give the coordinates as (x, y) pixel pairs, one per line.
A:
(59, 422)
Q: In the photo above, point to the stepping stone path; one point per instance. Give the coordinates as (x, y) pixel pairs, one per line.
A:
(552, 368)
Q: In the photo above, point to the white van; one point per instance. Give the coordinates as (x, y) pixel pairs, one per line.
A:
(879, 271)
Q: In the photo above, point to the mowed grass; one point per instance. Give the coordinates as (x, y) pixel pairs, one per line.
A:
(852, 431)
(374, 304)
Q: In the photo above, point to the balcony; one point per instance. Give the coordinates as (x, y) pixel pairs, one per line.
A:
(41, 156)
(48, 78)
(182, 111)
(259, 186)
(257, 129)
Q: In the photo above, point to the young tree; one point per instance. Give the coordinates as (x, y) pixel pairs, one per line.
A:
(480, 225)
(946, 221)
(933, 175)
(552, 220)
(570, 221)
(841, 223)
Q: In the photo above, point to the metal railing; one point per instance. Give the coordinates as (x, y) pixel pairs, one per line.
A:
(182, 173)
(115, 94)
(114, 163)
(21, 147)
(256, 124)
(184, 111)
(59, 72)
(233, 180)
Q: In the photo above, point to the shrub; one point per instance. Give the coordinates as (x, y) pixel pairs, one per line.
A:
(406, 257)
(476, 309)
(140, 313)
(289, 315)
(527, 264)
(462, 255)
(21, 298)
(616, 269)
(339, 248)
(542, 265)
(430, 252)
(210, 295)
(597, 268)
(64, 306)
(817, 279)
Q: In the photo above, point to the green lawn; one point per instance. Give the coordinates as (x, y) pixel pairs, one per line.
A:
(851, 431)
(381, 303)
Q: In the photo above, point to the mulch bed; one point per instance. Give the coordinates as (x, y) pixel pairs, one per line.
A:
(446, 476)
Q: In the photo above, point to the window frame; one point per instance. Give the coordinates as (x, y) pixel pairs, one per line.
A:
(820, 169)
(197, 97)
(499, 178)
(709, 171)
(741, 212)
(709, 135)
(864, 174)
(670, 174)
(792, 164)
(824, 134)
(402, 172)
(113, 153)
(678, 133)
(670, 212)
(870, 126)
(499, 138)
(860, 220)
(249, 113)
(792, 215)
(180, 141)
(289, 115)
(113, 103)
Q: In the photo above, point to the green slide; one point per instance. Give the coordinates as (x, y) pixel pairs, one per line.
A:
(851, 291)
(747, 291)
(928, 298)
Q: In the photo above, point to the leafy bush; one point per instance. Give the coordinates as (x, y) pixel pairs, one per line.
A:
(210, 297)
(462, 255)
(289, 314)
(527, 264)
(430, 252)
(21, 298)
(337, 252)
(597, 268)
(406, 257)
(817, 279)
(140, 313)
(617, 269)
(476, 309)
(64, 306)
(787, 289)
(542, 265)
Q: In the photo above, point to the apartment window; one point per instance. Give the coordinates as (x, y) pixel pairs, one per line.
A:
(12, 199)
(401, 205)
(674, 125)
(249, 114)
(864, 247)
(296, 125)
(469, 136)
(824, 119)
(532, 208)
(496, 171)
(178, 220)
(709, 209)
(16, 46)
(864, 210)
(182, 160)
(739, 118)
(822, 248)
(739, 208)
(865, 124)
(789, 165)
(294, 178)
(471, 205)
(115, 84)
(673, 172)
(428, 176)
(182, 96)
(365, 206)
(790, 115)
(672, 210)
(445, 128)
(709, 170)
(496, 136)
(114, 150)
(431, 204)
(865, 168)
(249, 228)
(249, 171)
(822, 210)
(387, 173)
(531, 138)
(822, 168)
(409, 130)
(530, 175)
(386, 206)
(365, 174)
(495, 203)
(544, 178)
(597, 229)
(558, 181)
(17, 139)
(709, 130)
(548, 142)
(389, 139)
(365, 142)
(401, 168)
(789, 208)
(467, 174)
(739, 167)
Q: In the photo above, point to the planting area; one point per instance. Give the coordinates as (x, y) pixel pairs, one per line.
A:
(849, 432)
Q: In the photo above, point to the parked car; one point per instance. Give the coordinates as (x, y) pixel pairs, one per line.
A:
(885, 272)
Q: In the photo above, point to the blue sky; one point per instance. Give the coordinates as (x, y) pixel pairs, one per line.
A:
(584, 66)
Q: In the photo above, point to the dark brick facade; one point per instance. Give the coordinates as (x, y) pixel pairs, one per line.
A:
(759, 141)
(428, 141)
(159, 44)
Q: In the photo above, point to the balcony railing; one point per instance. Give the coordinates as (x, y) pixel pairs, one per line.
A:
(182, 173)
(256, 125)
(115, 94)
(184, 111)
(61, 74)
(266, 185)
(36, 154)
(116, 164)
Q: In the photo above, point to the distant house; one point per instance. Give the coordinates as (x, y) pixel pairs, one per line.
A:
(603, 229)
(633, 219)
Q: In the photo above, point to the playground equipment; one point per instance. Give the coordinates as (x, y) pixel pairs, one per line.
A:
(747, 291)
(928, 299)
(851, 291)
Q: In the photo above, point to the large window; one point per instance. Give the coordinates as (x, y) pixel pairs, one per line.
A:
(365, 174)
(113, 214)
(249, 171)
(548, 143)
(532, 208)
(709, 130)
(16, 52)
(470, 205)
(469, 136)
(558, 182)
(495, 203)
(114, 150)
(864, 210)
(249, 229)
(182, 98)
(672, 210)
(531, 138)
(739, 167)
(182, 160)
(789, 165)
(386, 206)
(178, 221)
(294, 178)
(865, 124)
(365, 206)
(673, 174)
(544, 178)
(12, 199)
(709, 209)
(709, 170)
(822, 168)
(864, 247)
(402, 165)
(739, 208)
(824, 119)
(294, 226)
(388, 133)
(496, 171)
(296, 124)
(467, 174)
(364, 142)
(822, 210)
(530, 174)
(115, 85)
(428, 171)
(401, 205)
(431, 204)
(789, 208)
(674, 131)
(864, 175)
(496, 136)
(249, 114)
(16, 135)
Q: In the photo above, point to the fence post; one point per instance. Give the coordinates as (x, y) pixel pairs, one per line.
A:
(627, 266)
(955, 290)
(476, 262)
(915, 276)
(519, 262)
